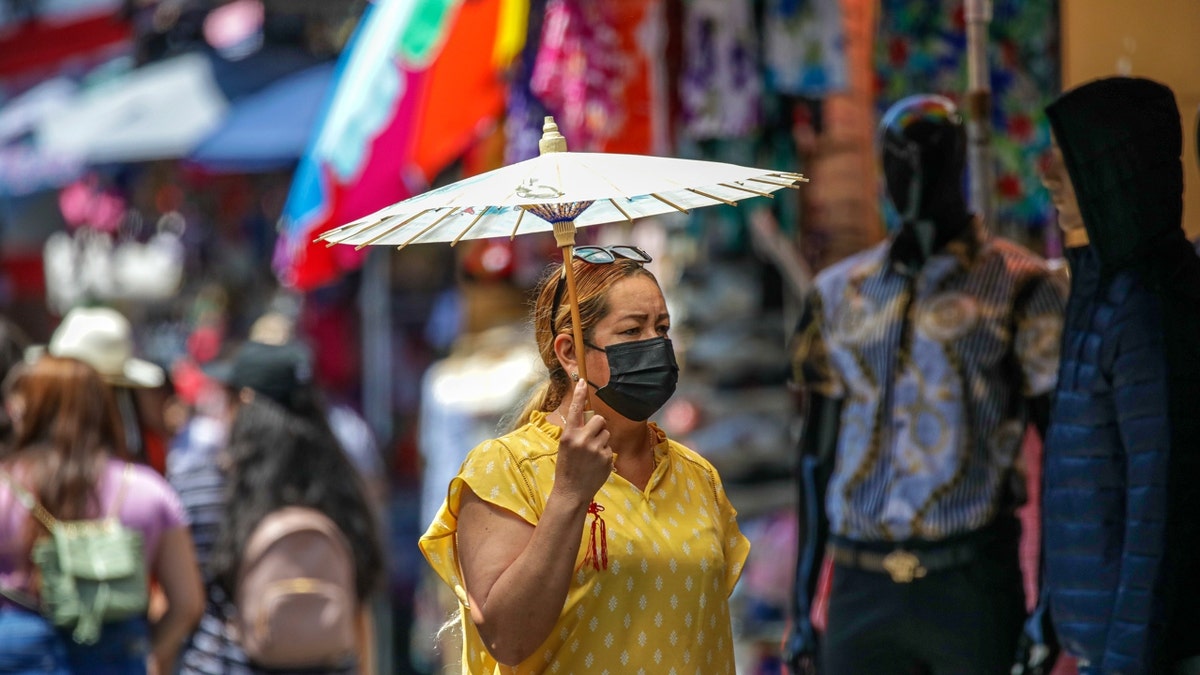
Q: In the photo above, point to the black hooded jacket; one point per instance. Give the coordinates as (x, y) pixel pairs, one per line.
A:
(1121, 504)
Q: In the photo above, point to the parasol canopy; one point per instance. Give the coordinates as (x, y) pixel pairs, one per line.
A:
(586, 188)
(558, 191)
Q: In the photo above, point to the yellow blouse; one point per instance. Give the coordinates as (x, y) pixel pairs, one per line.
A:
(674, 555)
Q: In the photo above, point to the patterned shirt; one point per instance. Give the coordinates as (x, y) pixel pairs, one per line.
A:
(193, 469)
(933, 370)
(674, 555)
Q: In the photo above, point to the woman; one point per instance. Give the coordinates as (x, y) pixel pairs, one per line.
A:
(287, 456)
(69, 454)
(589, 542)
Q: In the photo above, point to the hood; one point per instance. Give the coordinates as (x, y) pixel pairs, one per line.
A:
(1121, 140)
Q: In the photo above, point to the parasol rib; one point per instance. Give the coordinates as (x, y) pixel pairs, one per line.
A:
(519, 219)
(668, 202)
(472, 224)
(713, 197)
(390, 229)
(427, 228)
(792, 176)
(618, 207)
(771, 182)
(326, 235)
(743, 188)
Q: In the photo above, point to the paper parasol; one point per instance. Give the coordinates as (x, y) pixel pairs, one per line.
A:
(559, 191)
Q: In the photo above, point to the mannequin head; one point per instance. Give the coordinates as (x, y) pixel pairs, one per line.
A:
(922, 142)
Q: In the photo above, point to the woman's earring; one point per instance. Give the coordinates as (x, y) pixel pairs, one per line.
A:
(574, 377)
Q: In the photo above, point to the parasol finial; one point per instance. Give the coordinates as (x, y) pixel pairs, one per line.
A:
(552, 140)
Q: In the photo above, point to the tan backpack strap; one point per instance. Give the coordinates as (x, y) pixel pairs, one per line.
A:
(114, 509)
(30, 502)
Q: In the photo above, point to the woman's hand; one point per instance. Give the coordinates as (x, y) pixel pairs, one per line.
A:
(585, 459)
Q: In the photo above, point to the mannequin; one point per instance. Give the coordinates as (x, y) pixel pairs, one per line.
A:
(921, 361)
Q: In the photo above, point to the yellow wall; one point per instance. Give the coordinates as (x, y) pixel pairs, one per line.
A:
(1158, 39)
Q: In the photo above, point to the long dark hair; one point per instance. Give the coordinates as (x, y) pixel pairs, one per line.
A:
(68, 423)
(283, 459)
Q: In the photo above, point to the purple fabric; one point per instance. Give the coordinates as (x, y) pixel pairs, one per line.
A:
(719, 89)
(149, 506)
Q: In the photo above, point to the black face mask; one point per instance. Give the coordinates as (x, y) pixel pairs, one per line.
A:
(641, 377)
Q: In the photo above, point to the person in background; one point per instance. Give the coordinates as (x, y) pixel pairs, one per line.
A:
(69, 454)
(13, 343)
(103, 338)
(554, 536)
(921, 361)
(198, 466)
(1121, 537)
(281, 452)
(196, 469)
(358, 440)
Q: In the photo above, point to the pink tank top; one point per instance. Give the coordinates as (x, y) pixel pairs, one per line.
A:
(148, 505)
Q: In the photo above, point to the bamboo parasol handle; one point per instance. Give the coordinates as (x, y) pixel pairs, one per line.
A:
(568, 251)
(564, 236)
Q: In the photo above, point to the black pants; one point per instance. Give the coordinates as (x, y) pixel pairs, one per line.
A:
(960, 621)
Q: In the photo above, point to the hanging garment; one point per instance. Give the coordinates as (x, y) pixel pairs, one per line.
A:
(804, 47)
(719, 83)
(922, 47)
(600, 72)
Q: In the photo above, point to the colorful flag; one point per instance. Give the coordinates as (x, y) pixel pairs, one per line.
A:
(418, 83)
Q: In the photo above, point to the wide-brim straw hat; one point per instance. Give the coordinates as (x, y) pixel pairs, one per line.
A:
(102, 338)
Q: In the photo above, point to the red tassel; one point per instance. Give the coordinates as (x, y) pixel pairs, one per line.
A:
(599, 559)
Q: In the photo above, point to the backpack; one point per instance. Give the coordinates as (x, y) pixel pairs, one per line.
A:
(90, 572)
(296, 601)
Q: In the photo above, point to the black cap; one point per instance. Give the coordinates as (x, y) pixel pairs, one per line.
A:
(278, 372)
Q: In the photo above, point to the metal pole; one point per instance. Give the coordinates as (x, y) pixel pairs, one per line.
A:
(979, 107)
(375, 310)
(375, 307)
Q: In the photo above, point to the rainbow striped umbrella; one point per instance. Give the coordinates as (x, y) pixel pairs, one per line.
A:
(412, 89)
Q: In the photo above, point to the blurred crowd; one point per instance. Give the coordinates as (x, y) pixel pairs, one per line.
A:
(242, 438)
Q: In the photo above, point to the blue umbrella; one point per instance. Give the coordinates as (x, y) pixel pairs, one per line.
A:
(268, 129)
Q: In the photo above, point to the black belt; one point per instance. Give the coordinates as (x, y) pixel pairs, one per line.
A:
(904, 565)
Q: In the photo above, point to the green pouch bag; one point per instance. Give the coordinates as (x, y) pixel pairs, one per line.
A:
(90, 571)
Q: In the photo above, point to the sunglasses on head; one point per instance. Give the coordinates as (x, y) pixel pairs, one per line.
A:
(606, 254)
(597, 255)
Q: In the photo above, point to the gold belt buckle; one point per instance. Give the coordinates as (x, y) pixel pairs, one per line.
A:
(903, 566)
